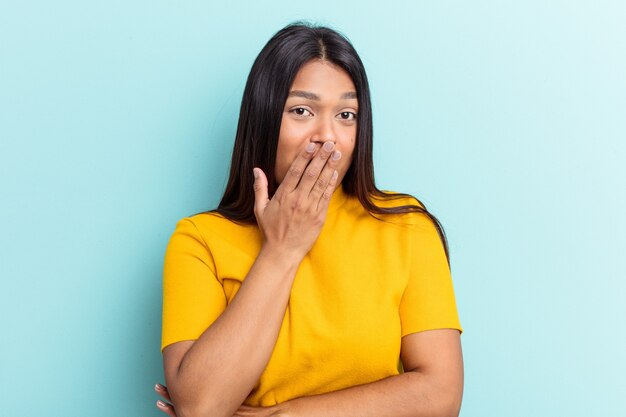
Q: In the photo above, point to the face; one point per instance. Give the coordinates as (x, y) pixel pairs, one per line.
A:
(321, 106)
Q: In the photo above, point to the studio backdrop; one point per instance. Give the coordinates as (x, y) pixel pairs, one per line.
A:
(507, 119)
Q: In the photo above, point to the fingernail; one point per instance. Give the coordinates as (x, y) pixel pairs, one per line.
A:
(328, 146)
(310, 147)
(255, 172)
(160, 403)
(336, 156)
(157, 387)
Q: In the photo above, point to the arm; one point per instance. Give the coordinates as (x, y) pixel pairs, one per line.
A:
(214, 374)
(432, 384)
(217, 371)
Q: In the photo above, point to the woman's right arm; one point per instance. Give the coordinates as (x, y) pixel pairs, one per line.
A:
(214, 374)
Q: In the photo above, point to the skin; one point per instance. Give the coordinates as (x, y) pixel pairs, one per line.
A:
(214, 374)
(331, 118)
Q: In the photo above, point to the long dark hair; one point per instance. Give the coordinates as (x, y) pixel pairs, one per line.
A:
(264, 97)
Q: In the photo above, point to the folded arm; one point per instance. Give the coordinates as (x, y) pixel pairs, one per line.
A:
(432, 384)
(214, 374)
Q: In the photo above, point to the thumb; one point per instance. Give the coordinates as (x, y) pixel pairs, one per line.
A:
(261, 198)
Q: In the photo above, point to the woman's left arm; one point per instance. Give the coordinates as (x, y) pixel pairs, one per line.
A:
(431, 385)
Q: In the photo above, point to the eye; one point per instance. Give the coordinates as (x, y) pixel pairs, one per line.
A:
(300, 111)
(346, 115)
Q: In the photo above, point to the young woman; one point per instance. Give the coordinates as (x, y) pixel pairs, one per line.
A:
(308, 291)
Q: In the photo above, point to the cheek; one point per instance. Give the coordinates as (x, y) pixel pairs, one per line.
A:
(280, 167)
(347, 149)
(347, 161)
(287, 150)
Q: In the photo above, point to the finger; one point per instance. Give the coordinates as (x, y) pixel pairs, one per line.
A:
(163, 392)
(321, 184)
(242, 411)
(260, 191)
(313, 171)
(247, 408)
(292, 178)
(166, 408)
(249, 411)
(324, 201)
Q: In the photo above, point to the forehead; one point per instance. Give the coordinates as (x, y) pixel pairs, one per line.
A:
(323, 77)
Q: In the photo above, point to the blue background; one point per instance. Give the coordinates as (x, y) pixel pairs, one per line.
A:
(507, 119)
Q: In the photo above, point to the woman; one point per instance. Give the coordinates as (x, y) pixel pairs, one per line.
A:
(308, 291)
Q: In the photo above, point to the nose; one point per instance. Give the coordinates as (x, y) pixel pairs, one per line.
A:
(324, 132)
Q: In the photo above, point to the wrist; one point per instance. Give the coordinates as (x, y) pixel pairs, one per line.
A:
(280, 257)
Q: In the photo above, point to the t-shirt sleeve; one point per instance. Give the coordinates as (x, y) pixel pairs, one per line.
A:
(193, 297)
(428, 301)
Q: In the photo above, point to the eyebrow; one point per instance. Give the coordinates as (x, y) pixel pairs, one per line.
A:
(313, 96)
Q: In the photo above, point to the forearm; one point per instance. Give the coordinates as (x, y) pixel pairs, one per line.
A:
(411, 394)
(222, 366)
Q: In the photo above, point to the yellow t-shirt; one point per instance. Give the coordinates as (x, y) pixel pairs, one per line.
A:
(364, 285)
